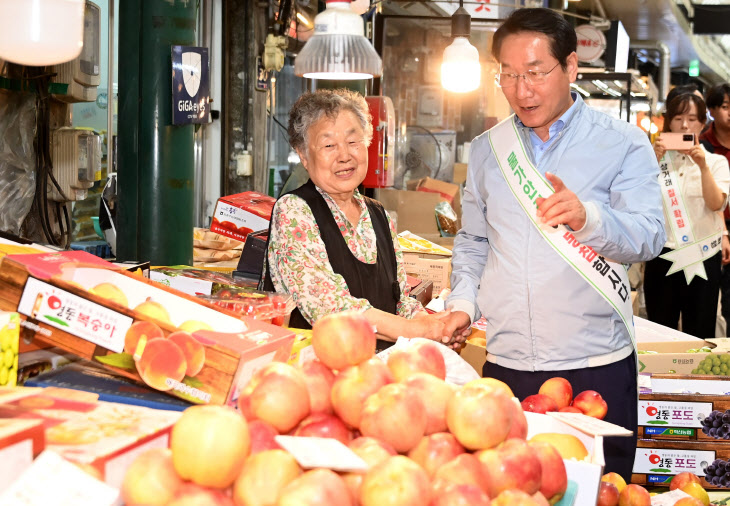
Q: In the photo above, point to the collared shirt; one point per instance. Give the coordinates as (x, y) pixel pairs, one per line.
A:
(541, 314)
(298, 262)
(688, 177)
(538, 145)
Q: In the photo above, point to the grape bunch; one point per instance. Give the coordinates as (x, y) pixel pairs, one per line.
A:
(718, 473)
(717, 425)
(714, 363)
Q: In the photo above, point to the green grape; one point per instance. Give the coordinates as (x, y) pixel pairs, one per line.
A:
(706, 362)
(13, 377)
(723, 367)
(725, 358)
(8, 358)
(14, 345)
(716, 370)
(716, 361)
(4, 376)
(6, 339)
(696, 370)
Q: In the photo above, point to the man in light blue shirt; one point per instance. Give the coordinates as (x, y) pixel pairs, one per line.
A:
(543, 318)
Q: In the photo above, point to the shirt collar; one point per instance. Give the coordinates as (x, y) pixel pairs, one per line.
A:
(563, 121)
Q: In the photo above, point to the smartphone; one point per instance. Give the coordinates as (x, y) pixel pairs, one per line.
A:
(678, 142)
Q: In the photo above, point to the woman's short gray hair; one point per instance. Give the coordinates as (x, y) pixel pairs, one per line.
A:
(311, 107)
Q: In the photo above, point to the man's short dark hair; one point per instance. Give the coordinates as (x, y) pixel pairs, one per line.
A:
(717, 95)
(561, 33)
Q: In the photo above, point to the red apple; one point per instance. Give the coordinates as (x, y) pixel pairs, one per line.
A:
(262, 436)
(539, 403)
(617, 480)
(570, 409)
(607, 494)
(512, 465)
(461, 495)
(433, 451)
(343, 339)
(515, 497)
(355, 384)
(518, 429)
(682, 479)
(263, 477)
(324, 425)
(435, 394)
(591, 403)
(373, 452)
(422, 356)
(463, 469)
(634, 495)
(319, 380)
(319, 486)
(396, 415)
(397, 481)
(554, 480)
(478, 417)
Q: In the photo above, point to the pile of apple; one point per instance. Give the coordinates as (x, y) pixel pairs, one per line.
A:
(426, 442)
(556, 394)
(615, 492)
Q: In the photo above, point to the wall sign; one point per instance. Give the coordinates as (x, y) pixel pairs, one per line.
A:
(190, 85)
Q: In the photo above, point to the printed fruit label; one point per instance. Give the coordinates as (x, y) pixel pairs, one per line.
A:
(673, 414)
(73, 314)
(670, 462)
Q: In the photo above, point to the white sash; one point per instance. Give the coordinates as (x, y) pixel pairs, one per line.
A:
(608, 278)
(689, 252)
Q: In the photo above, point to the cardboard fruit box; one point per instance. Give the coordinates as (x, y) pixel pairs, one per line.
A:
(238, 215)
(20, 442)
(83, 305)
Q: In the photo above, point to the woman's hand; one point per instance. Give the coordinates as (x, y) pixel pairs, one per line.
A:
(659, 149)
(430, 326)
(697, 154)
(725, 250)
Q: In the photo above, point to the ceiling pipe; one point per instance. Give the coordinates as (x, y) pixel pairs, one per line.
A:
(665, 71)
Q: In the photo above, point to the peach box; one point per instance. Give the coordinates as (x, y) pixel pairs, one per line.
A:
(238, 215)
(51, 293)
(20, 442)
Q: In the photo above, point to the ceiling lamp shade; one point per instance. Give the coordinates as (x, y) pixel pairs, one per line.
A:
(338, 50)
(460, 70)
(41, 32)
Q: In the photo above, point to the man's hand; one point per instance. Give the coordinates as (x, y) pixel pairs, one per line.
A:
(562, 207)
(457, 325)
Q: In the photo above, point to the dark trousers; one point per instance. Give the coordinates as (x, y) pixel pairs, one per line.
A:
(617, 384)
(725, 290)
(669, 296)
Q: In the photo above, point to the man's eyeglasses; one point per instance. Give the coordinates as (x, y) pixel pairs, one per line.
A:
(531, 77)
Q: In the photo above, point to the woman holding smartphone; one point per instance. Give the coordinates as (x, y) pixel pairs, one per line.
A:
(685, 279)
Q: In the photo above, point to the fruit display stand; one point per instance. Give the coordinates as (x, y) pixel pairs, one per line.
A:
(60, 300)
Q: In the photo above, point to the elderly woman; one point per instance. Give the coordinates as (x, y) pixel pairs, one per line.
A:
(330, 247)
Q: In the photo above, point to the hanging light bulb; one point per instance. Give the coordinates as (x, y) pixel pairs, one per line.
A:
(338, 50)
(41, 32)
(460, 69)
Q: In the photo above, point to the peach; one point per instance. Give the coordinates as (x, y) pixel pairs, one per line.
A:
(518, 429)
(319, 380)
(191, 494)
(397, 481)
(140, 330)
(343, 339)
(193, 350)
(682, 479)
(434, 451)
(492, 383)
(263, 477)
(319, 486)
(373, 452)
(422, 356)
(689, 501)
(591, 403)
(607, 494)
(262, 436)
(461, 495)
(514, 497)
(209, 445)
(276, 394)
(617, 480)
(567, 445)
(154, 310)
(111, 292)
(539, 403)
(194, 325)
(570, 409)
(151, 479)
(634, 495)
(463, 469)
(540, 499)
(478, 417)
(512, 465)
(435, 394)
(695, 490)
(159, 362)
(355, 384)
(396, 415)
(554, 479)
(558, 389)
(324, 425)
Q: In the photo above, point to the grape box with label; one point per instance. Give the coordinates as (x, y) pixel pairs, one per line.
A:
(656, 462)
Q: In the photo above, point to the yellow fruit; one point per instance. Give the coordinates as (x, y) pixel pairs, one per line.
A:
(696, 491)
(478, 341)
(112, 292)
(492, 382)
(568, 446)
(616, 479)
(154, 310)
(191, 326)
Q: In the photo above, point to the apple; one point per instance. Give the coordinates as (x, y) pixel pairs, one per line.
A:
(422, 356)
(558, 389)
(617, 480)
(151, 479)
(343, 339)
(209, 445)
(262, 436)
(319, 380)
(276, 394)
(492, 383)
(396, 415)
(435, 394)
(512, 465)
(570, 409)
(191, 494)
(682, 479)
(607, 494)
(567, 445)
(355, 384)
(434, 451)
(478, 417)
(397, 481)
(591, 403)
(373, 452)
(263, 477)
(539, 403)
(554, 478)
(515, 497)
(696, 491)
(518, 429)
(463, 469)
(320, 487)
(324, 425)
(689, 501)
(634, 495)
(464, 494)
